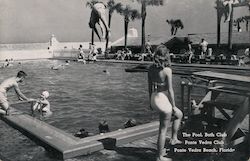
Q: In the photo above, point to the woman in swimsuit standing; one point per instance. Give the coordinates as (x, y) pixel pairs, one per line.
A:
(162, 98)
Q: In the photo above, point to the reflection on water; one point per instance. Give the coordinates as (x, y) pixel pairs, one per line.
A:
(80, 96)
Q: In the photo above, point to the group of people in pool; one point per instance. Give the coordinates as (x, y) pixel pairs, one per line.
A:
(104, 128)
(7, 63)
(161, 95)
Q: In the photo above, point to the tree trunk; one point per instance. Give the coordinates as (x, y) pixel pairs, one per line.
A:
(246, 25)
(219, 15)
(230, 31)
(109, 23)
(143, 15)
(238, 26)
(126, 33)
(107, 40)
(92, 37)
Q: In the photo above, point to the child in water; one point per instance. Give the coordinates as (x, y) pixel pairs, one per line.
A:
(42, 105)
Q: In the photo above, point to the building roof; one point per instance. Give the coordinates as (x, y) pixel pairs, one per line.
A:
(177, 41)
(211, 38)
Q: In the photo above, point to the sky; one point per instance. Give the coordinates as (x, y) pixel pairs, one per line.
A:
(31, 21)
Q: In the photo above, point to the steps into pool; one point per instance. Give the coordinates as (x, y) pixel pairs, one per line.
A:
(64, 145)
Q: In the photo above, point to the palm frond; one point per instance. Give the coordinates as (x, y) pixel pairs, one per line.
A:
(130, 14)
(91, 3)
(112, 6)
(152, 2)
(135, 14)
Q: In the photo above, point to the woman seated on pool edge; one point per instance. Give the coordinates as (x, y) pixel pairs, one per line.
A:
(161, 97)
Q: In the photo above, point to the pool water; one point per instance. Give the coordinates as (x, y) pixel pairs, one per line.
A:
(81, 95)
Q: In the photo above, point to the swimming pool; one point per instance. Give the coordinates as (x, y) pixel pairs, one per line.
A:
(80, 96)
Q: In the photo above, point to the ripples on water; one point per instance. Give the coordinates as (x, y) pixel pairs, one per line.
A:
(80, 95)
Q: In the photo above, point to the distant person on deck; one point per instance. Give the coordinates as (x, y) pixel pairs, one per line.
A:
(161, 95)
(128, 53)
(91, 51)
(42, 105)
(8, 84)
(190, 52)
(203, 46)
(245, 59)
(94, 57)
(81, 56)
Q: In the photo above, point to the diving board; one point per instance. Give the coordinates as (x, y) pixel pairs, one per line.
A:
(64, 145)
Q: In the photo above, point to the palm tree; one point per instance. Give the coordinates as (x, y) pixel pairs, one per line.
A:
(175, 25)
(112, 6)
(144, 4)
(237, 23)
(220, 9)
(247, 18)
(91, 4)
(129, 15)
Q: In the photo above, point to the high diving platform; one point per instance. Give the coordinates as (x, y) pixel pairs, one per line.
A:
(64, 145)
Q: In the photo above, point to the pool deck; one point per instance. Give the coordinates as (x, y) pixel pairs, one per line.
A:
(188, 69)
(174, 65)
(145, 150)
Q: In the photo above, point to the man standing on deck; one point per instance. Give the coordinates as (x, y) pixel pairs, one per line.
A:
(203, 45)
(7, 85)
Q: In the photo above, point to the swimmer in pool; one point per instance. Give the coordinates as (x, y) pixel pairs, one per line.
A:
(67, 62)
(8, 84)
(42, 105)
(103, 127)
(106, 71)
(6, 63)
(161, 95)
(57, 67)
(82, 133)
(130, 123)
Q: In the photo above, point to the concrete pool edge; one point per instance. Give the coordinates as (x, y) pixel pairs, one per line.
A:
(63, 145)
(179, 65)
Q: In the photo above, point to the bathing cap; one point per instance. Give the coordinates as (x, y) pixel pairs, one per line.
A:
(46, 94)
